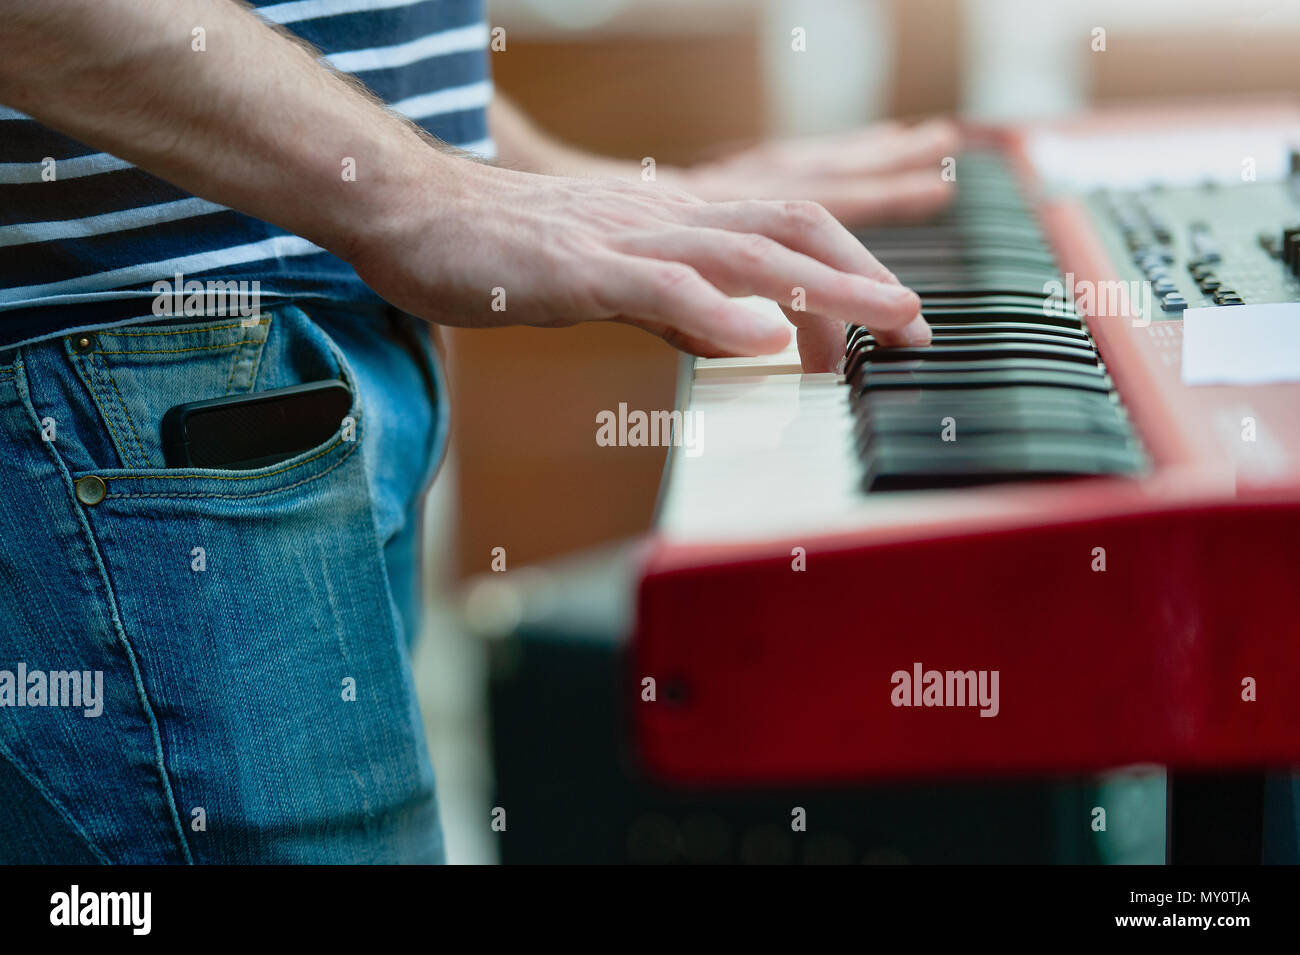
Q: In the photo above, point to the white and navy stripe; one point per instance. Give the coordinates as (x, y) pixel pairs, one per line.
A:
(86, 248)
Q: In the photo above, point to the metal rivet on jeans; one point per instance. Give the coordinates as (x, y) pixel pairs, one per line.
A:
(91, 489)
(81, 344)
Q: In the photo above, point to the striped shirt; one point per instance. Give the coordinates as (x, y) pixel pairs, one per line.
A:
(81, 248)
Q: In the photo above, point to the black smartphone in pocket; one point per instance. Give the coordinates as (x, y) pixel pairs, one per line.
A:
(241, 432)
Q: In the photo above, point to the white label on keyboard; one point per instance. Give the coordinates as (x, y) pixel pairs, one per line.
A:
(1241, 344)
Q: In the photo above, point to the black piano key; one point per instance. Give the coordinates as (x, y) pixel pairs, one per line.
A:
(932, 257)
(979, 448)
(866, 381)
(988, 400)
(959, 238)
(913, 474)
(987, 332)
(1052, 420)
(945, 336)
(1012, 365)
(940, 315)
(964, 366)
(1037, 300)
(901, 465)
(954, 359)
(1024, 278)
(971, 287)
(970, 448)
(855, 333)
(963, 351)
(1058, 332)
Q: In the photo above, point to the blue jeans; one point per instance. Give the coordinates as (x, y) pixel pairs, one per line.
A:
(249, 631)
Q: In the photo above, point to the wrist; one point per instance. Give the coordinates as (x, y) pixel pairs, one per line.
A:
(400, 197)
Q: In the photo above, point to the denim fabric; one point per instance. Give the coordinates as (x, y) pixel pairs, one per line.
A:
(257, 701)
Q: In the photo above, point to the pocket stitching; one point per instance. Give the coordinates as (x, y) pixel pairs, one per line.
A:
(114, 333)
(238, 497)
(234, 363)
(126, 414)
(86, 371)
(256, 356)
(171, 351)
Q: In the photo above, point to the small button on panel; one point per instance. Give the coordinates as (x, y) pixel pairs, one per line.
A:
(1204, 245)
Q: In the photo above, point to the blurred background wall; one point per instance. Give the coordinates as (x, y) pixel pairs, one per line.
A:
(676, 79)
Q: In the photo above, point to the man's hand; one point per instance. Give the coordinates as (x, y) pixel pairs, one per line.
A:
(570, 250)
(878, 174)
(885, 172)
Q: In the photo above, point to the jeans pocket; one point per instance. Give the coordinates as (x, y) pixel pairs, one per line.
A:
(134, 375)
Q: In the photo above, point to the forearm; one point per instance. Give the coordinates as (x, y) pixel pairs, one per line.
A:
(253, 122)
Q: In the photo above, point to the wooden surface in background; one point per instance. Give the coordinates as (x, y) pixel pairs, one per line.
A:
(1141, 65)
(530, 475)
(928, 57)
(668, 97)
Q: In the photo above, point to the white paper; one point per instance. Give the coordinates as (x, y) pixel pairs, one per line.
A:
(1241, 344)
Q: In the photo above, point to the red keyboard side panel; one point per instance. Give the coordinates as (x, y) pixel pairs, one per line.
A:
(764, 673)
